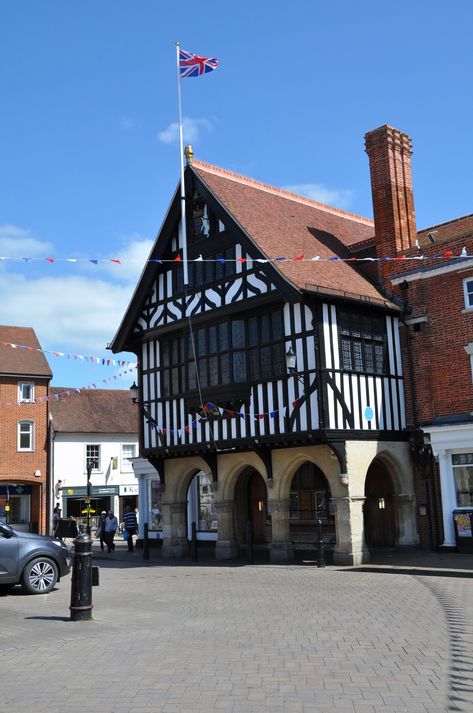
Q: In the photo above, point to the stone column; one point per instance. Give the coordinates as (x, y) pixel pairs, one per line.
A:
(226, 547)
(175, 541)
(406, 519)
(449, 498)
(281, 549)
(350, 548)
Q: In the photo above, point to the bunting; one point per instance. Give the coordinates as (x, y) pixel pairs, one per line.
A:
(445, 255)
(68, 392)
(208, 409)
(102, 361)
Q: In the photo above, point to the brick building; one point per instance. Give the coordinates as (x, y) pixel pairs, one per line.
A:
(24, 384)
(436, 292)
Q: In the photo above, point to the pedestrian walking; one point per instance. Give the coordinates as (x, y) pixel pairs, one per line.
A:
(130, 526)
(56, 519)
(100, 532)
(110, 525)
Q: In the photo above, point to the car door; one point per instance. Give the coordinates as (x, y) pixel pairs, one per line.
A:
(8, 555)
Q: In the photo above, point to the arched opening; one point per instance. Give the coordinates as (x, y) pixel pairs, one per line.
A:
(379, 509)
(311, 512)
(201, 509)
(251, 506)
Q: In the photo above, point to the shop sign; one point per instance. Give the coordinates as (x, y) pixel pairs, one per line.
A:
(96, 491)
(129, 489)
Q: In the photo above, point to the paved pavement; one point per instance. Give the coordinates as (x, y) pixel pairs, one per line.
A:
(241, 639)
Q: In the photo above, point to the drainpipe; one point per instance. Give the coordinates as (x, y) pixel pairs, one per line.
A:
(431, 500)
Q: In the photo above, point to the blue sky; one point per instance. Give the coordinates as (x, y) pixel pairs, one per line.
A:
(88, 159)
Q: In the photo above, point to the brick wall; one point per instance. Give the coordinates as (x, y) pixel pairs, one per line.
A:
(20, 466)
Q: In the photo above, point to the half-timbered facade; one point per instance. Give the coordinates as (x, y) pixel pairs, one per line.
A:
(241, 444)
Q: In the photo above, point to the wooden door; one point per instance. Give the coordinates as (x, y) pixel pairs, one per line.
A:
(258, 507)
(379, 509)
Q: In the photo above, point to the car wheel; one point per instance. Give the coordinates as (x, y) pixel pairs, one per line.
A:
(39, 576)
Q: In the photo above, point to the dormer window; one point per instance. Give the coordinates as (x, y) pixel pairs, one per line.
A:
(25, 392)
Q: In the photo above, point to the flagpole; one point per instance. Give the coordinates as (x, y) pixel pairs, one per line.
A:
(183, 190)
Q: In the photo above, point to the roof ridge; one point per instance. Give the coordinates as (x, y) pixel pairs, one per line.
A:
(231, 175)
(446, 222)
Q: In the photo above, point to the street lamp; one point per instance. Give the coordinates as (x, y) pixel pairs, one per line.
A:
(291, 367)
(134, 392)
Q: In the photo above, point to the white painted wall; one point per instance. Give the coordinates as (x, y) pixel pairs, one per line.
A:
(69, 465)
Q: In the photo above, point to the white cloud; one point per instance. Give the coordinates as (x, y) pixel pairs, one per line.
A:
(191, 129)
(67, 312)
(77, 312)
(133, 257)
(341, 198)
(18, 242)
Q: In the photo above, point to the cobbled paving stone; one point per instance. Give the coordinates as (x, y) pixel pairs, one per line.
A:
(194, 639)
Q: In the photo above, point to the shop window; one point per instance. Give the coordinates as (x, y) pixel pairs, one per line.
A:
(25, 436)
(92, 456)
(462, 464)
(154, 505)
(128, 451)
(468, 293)
(25, 392)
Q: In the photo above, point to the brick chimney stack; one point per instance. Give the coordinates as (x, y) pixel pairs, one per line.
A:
(389, 151)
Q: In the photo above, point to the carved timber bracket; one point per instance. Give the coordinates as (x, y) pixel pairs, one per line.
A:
(341, 452)
(158, 465)
(211, 460)
(265, 454)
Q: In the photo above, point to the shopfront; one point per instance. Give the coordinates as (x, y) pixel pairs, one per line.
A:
(453, 447)
(102, 498)
(15, 506)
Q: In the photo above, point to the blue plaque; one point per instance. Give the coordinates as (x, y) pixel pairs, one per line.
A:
(369, 413)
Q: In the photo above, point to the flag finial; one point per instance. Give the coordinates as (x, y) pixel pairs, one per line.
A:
(189, 152)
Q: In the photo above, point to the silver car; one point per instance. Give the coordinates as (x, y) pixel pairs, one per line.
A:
(36, 562)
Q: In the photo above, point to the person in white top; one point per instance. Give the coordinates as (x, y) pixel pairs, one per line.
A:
(110, 525)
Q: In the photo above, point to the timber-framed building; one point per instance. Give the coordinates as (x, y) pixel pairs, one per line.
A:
(235, 437)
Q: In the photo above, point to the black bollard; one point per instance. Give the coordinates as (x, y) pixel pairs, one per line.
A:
(194, 555)
(145, 542)
(321, 553)
(81, 582)
(250, 556)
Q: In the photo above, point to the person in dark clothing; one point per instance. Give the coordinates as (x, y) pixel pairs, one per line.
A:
(56, 520)
(100, 533)
(130, 526)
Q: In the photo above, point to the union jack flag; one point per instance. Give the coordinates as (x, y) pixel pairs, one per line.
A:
(191, 65)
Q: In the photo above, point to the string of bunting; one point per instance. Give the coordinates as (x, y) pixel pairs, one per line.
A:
(69, 392)
(103, 361)
(445, 255)
(207, 409)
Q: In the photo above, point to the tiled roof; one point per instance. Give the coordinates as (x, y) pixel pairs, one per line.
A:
(283, 224)
(22, 362)
(456, 228)
(94, 411)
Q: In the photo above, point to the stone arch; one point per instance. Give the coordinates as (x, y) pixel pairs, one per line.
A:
(231, 466)
(179, 474)
(389, 508)
(287, 462)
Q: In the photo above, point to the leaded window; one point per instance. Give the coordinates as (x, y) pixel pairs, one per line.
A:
(362, 342)
(236, 351)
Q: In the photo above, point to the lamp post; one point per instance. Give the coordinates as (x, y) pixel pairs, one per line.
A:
(90, 466)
